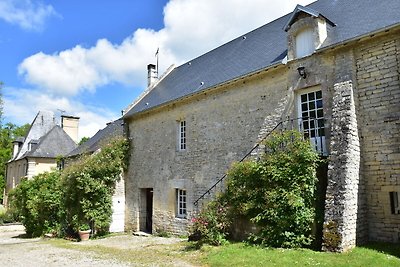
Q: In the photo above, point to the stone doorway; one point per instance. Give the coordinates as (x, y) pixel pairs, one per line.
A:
(146, 210)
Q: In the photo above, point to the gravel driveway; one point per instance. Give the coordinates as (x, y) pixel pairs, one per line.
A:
(18, 251)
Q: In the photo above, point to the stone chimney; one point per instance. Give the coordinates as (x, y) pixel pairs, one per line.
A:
(17, 144)
(70, 125)
(152, 75)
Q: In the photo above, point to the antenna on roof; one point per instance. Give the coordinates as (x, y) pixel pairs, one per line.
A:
(61, 111)
(156, 55)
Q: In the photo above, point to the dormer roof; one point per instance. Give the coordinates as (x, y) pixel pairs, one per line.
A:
(307, 10)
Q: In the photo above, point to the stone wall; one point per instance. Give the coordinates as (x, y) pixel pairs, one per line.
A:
(343, 173)
(222, 126)
(361, 95)
(378, 67)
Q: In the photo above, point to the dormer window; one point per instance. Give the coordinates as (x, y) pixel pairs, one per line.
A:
(304, 43)
(32, 145)
(307, 31)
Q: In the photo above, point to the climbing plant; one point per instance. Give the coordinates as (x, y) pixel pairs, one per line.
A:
(88, 186)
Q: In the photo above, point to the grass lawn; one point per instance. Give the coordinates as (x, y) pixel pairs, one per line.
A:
(375, 254)
(237, 254)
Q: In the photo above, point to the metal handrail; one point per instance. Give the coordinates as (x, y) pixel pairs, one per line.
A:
(195, 203)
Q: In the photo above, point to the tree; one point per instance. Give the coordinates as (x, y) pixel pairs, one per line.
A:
(83, 140)
(1, 103)
(8, 133)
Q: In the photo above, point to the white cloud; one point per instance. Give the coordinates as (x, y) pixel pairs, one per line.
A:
(27, 14)
(23, 104)
(191, 28)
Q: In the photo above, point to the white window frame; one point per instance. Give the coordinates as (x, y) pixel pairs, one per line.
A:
(182, 135)
(181, 203)
(314, 125)
(305, 43)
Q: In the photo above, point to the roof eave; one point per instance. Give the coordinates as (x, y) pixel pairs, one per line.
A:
(274, 65)
(356, 38)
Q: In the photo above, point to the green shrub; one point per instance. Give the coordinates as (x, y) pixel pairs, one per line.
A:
(80, 195)
(36, 203)
(6, 215)
(88, 186)
(212, 224)
(275, 193)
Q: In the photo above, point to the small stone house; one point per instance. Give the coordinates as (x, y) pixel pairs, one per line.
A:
(113, 129)
(37, 152)
(331, 67)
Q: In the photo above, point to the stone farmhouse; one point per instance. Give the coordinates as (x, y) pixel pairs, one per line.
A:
(333, 64)
(37, 152)
(92, 146)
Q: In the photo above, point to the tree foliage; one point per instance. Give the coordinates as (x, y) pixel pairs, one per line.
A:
(79, 195)
(89, 185)
(36, 202)
(83, 140)
(8, 133)
(277, 192)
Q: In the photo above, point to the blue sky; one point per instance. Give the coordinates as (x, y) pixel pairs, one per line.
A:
(89, 57)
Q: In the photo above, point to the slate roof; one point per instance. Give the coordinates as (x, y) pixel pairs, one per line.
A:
(47, 138)
(267, 46)
(41, 125)
(55, 143)
(114, 128)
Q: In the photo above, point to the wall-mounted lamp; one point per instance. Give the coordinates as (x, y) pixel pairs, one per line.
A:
(302, 72)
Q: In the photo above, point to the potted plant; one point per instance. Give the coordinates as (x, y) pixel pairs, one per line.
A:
(84, 232)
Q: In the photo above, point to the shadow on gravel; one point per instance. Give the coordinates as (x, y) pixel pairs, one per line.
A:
(22, 236)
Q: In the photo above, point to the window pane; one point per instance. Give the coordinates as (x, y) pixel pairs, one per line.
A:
(319, 94)
(311, 105)
(319, 103)
(312, 124)
(303, 98)
(311, 96)
(304, 43)
(320, 113)
(312, 114)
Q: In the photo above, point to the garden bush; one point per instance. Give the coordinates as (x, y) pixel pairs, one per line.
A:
(212, 224)
(88, 186)
(36, 203)
(276, 193)
(62, 201)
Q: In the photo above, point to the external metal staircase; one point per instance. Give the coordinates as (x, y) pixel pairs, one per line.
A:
(312, 130)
